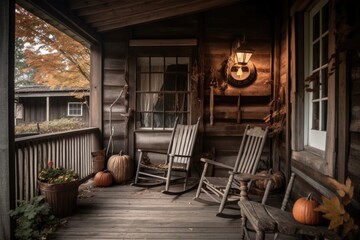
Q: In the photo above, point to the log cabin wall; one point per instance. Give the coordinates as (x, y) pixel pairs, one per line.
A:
(353, 166)
(115, 48)
(215, 31)
(343, 153)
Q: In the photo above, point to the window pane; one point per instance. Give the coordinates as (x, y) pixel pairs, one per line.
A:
(183, 118)
(324, 58)
(170, 120)
(323, 115)
(315, 116)
(316, 55)
(169, 102)
(145, 102)
(316, 26)
(143, 64)
(158, 120)
(159, 102)
(325, 18)
(157, 80)
(143, 83)
(157, 64)
(170, 61)
(184, 61)
(181, 102)
(315, 86)
(324, 83)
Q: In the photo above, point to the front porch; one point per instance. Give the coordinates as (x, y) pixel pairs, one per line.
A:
(127, 212)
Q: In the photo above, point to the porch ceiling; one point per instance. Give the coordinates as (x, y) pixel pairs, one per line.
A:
(107, 15)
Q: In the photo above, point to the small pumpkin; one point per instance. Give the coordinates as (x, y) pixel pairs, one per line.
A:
(304, 211)
(103, 179)
(278, 179)
(120, 167)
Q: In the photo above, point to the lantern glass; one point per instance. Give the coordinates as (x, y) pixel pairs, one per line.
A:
(243, 55)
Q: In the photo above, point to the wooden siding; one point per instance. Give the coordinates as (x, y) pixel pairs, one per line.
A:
(115, 48)
(353, 166)
(216, 30)
(35, 109)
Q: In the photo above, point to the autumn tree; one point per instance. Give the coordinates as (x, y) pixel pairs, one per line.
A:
(58, 59)
(24, 75)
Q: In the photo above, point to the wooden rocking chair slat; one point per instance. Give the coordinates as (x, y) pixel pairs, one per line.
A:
(247, 161)
(178, 159)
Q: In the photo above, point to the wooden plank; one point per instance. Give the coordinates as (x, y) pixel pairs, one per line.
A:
(123, 211)
(7, 163)
(162, 42)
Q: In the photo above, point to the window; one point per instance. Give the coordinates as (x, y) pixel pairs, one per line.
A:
(74, 109)
(316, 68)
(162, 91)
(19, 111)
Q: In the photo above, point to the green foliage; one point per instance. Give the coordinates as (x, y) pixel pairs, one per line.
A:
(34, 219)
(23, 74)
(57, 175)
(59, 125)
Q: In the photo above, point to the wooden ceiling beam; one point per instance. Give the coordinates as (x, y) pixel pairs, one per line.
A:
(147, 14)
(62, 19)
(79, 4)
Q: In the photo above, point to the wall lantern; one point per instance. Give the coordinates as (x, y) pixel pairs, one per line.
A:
(243, 54)
(240, 71)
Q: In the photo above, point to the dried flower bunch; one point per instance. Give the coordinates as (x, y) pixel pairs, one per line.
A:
(334, 208)
(57, 175)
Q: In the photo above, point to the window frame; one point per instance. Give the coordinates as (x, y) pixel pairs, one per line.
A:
(159, 51)
(74, 115)
(315, 138)
(320, 161)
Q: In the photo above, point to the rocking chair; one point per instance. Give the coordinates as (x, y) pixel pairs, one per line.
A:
(219, 188)
(177, 164)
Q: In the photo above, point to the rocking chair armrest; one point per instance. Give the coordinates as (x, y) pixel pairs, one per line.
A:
(179, 155)
(206, 160)
(246, 177)
(152, 151)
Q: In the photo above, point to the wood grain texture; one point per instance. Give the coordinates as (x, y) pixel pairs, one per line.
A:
(125, 212)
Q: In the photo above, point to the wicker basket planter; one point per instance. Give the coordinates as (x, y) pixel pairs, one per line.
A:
(62, 197)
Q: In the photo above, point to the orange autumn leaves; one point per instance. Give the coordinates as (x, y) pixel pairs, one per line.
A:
(334, 209)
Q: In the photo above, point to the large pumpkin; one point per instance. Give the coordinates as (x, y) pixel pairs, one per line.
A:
(103, 179)
(303, 211)
(278, 179)
(120, 167)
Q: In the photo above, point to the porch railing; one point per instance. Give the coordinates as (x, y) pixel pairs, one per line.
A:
(70, 150)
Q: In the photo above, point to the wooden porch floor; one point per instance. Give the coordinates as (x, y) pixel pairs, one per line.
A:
(127, 212)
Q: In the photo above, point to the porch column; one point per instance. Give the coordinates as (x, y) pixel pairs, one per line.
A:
(47, 109)
(7, 167)
(95, 110)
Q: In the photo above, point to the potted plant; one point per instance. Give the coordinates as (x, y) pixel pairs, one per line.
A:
(60, 189)
(34, 219)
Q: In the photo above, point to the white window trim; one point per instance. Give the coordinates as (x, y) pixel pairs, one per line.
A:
(75, 115)
(324, 160)
(313, 138)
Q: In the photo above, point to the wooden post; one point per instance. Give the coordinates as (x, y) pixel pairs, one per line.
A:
(238, 117)
(211, 105)
(7, 167)
(47, 109)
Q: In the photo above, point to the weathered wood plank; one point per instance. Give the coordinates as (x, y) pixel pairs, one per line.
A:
(126, 212)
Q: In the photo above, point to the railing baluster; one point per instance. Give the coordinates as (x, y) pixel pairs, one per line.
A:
(70, 149)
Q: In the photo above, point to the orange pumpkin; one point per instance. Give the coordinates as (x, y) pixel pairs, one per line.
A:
(303, 211)
(103, 179)
(120, 167)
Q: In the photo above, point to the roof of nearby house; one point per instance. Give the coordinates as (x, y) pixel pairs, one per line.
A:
(45, 91)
